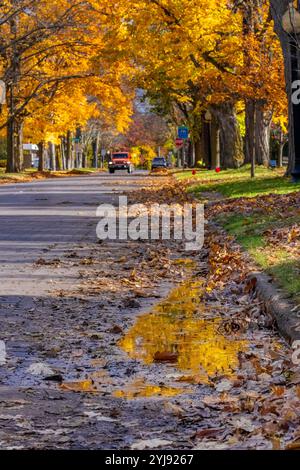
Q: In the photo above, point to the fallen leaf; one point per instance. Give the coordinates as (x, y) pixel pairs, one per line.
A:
(165, 356)
(243, 423)
(210, 432)
(116, 330)
(99, 416)
(150, 444)
(40, 368)
(176, 410)
(224, 386)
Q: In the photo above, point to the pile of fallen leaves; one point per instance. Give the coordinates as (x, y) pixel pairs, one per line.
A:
(282, 204)
(161, 191)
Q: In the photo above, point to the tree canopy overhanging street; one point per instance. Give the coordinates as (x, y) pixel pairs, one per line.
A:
(150, 226)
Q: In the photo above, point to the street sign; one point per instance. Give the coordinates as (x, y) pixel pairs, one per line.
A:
(2, 92)
(183, 132)
(179, 142)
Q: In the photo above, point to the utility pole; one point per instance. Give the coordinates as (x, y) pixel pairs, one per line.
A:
(14, 129)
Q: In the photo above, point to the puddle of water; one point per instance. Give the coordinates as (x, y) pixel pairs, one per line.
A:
(93, 384)
(79, 386)
(186, 262)
(175, 332)
(179, 332)
(140, 389)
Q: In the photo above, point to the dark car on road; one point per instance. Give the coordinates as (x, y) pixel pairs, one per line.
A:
(159, 163)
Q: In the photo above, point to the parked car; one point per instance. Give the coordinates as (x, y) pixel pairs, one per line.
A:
(120, 161)
(159, 163)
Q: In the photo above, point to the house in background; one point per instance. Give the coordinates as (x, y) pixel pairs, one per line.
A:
(31, 158)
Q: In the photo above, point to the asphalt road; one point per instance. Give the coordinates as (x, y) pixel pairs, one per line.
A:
(62, 301)
(50, 215)
(86, 328)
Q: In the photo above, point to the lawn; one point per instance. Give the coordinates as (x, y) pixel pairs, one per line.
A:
(238, 183)
(265, 220)
(273, 241)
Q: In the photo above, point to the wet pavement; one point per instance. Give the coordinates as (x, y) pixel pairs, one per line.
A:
(118, 345)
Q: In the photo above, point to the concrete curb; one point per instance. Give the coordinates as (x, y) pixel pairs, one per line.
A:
(276, 305)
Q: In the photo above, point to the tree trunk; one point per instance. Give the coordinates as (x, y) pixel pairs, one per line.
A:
(215, 145)
(84, 159)
(193, 156)
(14, 146)
(231, 144)
(15, 124)
(249, 136)
(198, 151)
(58, 155)
(280, 150)
(63, 153)
(262, 135)
(95, 145)
(52, 154)
(69, 151)
(80, 158)
(41, 156)
(278, 8)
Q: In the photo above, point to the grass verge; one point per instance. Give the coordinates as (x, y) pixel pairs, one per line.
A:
(263, 214)
(272, 242)
(238, 183)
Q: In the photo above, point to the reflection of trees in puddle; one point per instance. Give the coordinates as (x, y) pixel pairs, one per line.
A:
(173, 327)
(140, 389)
(94, 383)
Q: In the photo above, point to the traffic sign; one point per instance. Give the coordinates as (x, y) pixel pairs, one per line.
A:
(183, 132)
(179, 142)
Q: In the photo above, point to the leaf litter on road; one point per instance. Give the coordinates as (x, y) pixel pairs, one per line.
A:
(230, 381)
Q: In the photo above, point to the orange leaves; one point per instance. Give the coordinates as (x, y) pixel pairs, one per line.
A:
(75, 55)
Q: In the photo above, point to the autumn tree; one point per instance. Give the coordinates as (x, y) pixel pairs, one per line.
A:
(278, 9)
(185, 56)
(262, 77)
(46, 45)
(203, 55)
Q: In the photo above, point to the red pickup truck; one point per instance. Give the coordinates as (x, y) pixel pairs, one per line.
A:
(120, 161)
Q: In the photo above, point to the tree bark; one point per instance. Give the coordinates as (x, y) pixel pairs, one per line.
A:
(63, 153)
(249, 136)
(231, 144)
(278, 8)
(261, 128)
(14, 146)
(198, 151)
(52, 155)
(280, 150)
(95, 145)
(215, 145)
(69, 151)
(262, 135)
(41, 156)
(58, 158)
(84, 159)
(15, 125)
